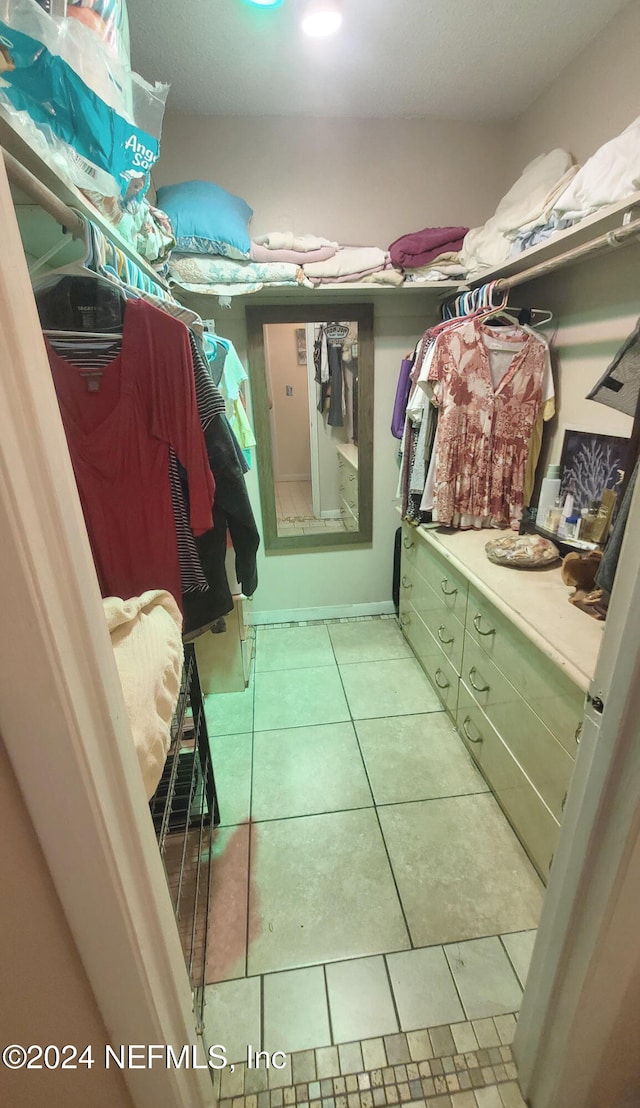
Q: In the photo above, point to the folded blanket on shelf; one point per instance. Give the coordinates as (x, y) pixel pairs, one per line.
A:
(609, 175)
(286, 240)
(388, 276)
(226, 292)
(528, 202)
(213, 269)
(447, 266)
(420, 247)
(349, 260)
(534, 236)
(147, 645)
(261, 253)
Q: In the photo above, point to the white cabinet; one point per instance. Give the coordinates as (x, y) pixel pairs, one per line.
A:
(517, 701)
(348, 485)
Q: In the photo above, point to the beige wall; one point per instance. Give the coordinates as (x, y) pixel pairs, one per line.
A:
(592, 100)
(595, 303)
(359, 181)
(290, 422)
(595, 306)
(46, 997)
(358, 575)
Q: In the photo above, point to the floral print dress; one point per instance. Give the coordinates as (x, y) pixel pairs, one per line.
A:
(484, 425)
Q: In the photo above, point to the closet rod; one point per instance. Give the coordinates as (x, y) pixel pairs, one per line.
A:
(47, 200)
(609, 239)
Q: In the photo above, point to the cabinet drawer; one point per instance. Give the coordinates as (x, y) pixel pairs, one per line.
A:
(543, 759)
(429, 653)
(348, 518)
(445, 581)
(442, 623)
(349, 491)
(529, 816)
(546, 688)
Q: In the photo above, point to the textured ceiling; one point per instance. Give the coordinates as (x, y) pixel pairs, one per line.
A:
(458, 59)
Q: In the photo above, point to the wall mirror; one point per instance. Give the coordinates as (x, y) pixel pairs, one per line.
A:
(311, 371)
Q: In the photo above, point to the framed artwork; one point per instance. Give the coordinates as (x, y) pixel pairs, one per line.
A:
(301, 345)
(590, 463)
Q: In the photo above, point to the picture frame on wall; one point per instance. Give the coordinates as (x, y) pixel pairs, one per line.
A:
(301, 345)
(590, 463)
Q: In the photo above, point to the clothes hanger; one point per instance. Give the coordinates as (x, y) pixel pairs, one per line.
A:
(47, 284)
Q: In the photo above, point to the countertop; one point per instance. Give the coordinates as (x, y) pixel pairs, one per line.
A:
(348, 451)
(536, 600)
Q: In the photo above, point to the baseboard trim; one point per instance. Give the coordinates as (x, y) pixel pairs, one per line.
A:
(336, 611)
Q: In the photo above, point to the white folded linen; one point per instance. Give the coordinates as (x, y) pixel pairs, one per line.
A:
(349, 259)
(147, 644)
(609, 175)
(529, 201)
(287, 240)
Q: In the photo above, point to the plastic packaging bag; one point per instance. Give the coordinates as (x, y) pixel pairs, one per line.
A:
(77, 101)
(108, 19)
(524, 551)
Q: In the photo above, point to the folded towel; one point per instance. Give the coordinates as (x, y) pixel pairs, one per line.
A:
(286, 240)
(147, 645)
(423, 246)
(260, 253)
(349, 260)
(383, 276)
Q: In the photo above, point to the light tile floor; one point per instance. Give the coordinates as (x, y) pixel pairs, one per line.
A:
(294, 510)
(468, 1064)
(365, 884)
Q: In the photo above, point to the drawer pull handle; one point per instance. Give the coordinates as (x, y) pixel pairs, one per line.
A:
(445, 684)
(467, 736)
(407, 542)
(405, 621)
(564, 801)
(352, 476)
(445, 642)
(476, 623)
(406, 582)
(447, 592)
(578, 733)
(478, 688)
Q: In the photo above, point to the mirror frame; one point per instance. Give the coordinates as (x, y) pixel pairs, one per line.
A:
(256, 319)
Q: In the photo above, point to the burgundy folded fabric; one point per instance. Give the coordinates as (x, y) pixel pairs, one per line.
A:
(420, 247)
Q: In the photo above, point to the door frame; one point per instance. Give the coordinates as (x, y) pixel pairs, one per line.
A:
(578, 1000)
(63, 719)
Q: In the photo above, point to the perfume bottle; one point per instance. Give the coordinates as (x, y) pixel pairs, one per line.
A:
(553, 517)
(589, 525)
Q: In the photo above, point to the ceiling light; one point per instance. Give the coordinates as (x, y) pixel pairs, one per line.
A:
(321, 17)
(266, 3)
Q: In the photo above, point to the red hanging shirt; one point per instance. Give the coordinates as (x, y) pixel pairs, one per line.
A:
(119, 434)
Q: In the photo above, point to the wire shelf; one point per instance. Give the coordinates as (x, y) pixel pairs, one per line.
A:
(184, 810)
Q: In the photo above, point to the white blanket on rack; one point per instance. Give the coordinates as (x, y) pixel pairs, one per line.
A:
(609, 175)
(529, 201)
(147, 644)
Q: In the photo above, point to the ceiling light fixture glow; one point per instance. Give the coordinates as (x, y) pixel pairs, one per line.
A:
(321, 17)
(265, 3)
